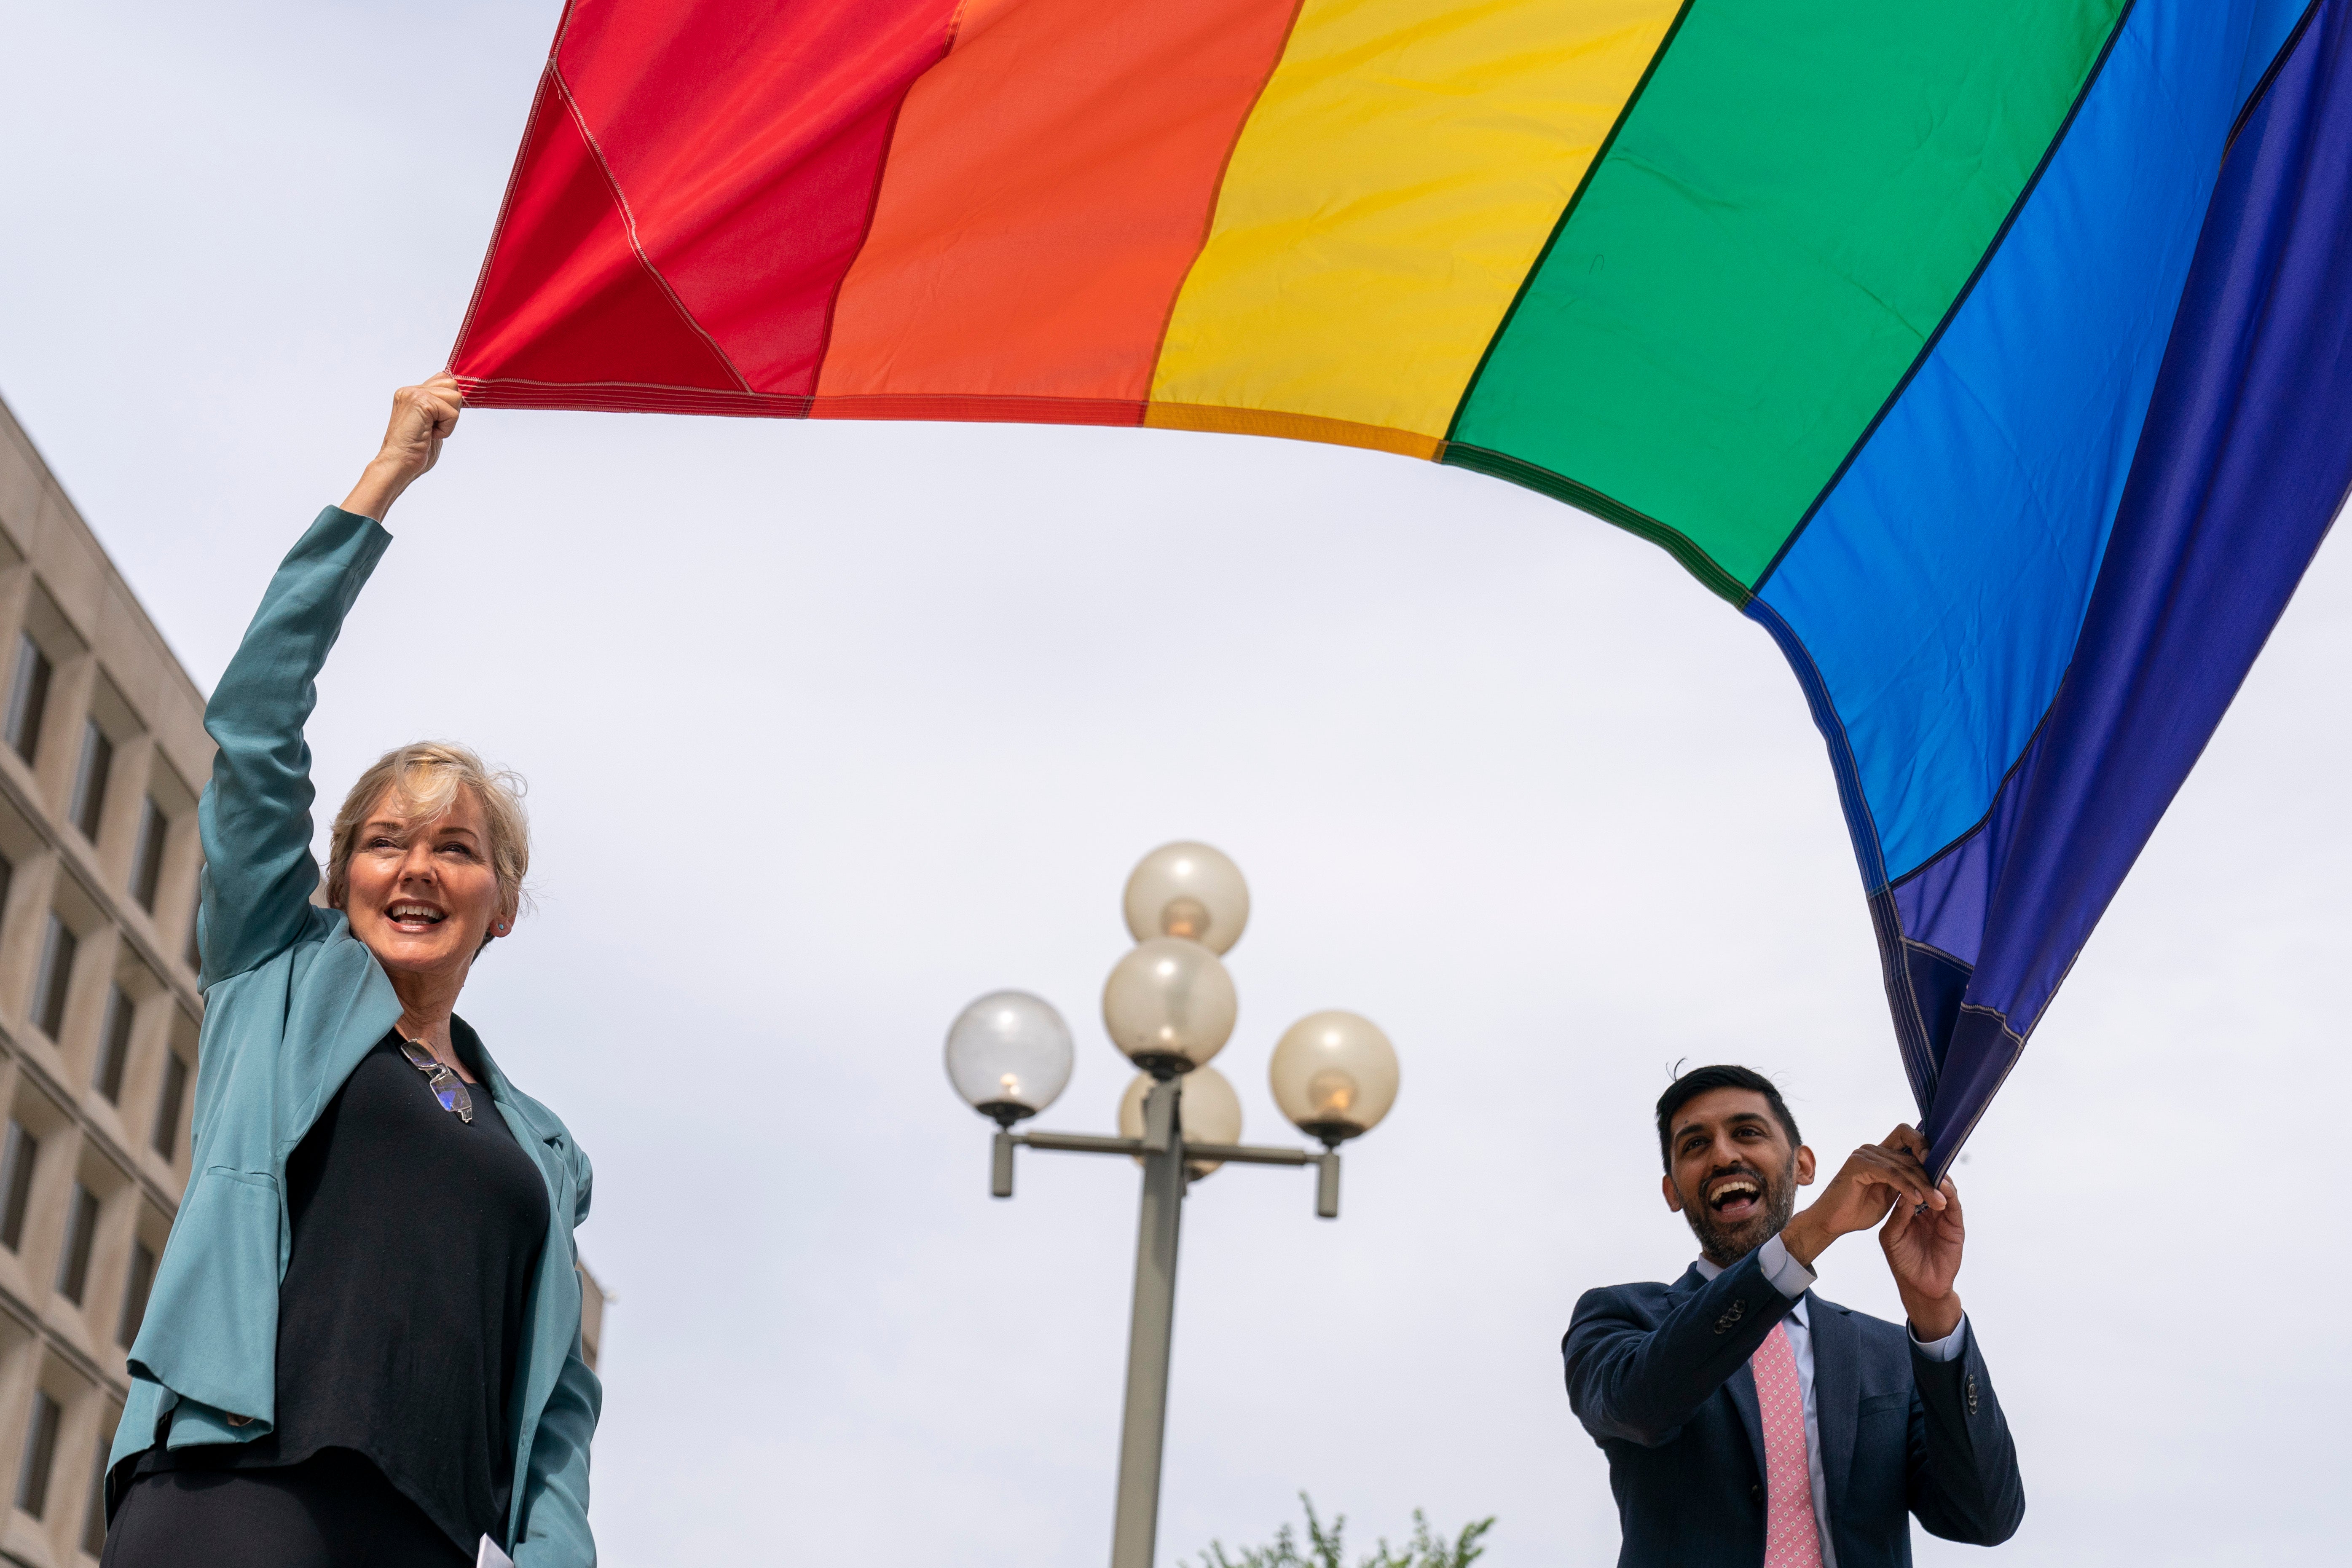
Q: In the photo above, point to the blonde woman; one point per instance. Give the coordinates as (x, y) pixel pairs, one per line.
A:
(363, 1347)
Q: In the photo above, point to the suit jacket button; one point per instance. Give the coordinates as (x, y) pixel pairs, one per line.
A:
(1755, 1494)
(1972, 1393)
(1737, 1311)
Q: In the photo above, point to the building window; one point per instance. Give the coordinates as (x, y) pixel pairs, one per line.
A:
(28, 697)
(93, 1519)
(134, 1294)
(167, 1109)
(147, 860)
(114, 1044)
(81, 1230)
(57, 969)
(17, 1183)
(40, 1452)
(89, 779)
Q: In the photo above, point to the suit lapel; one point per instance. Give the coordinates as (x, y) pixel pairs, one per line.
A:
(1740, 1384)
(1837, 1394)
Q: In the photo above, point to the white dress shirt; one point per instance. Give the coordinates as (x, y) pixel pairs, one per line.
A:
(1792, 1279)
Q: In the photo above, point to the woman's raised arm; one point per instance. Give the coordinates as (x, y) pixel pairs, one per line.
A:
(422, 418)
(256, 811)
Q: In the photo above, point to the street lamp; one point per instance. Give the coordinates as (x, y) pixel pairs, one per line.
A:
(1009, 1055)
(1170, 1005)
(1334, 1075)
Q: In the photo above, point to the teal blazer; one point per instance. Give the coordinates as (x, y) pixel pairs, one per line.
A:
(292, 1002)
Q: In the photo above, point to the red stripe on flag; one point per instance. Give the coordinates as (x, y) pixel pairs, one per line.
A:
(564, 295)
(739, 148)
(749, 142)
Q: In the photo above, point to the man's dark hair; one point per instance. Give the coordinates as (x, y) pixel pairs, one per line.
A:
(1689, 1086)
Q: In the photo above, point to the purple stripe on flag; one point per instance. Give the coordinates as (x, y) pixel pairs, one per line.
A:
(2243, 463)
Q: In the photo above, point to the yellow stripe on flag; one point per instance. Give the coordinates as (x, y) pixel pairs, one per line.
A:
(1397, 179)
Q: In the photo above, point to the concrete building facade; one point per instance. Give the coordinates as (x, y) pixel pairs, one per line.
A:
(103, 752)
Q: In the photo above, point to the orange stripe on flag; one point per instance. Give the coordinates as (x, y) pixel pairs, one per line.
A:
(1048, 186)
(953, 408)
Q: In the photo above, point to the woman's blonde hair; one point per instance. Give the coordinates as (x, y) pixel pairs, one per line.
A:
(426, 776)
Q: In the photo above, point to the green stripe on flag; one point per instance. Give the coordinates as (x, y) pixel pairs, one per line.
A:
(1783, 220)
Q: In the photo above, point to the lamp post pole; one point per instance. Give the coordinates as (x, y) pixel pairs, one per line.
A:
(1151, 1325)
(1170, 1005)
(1151, 1330)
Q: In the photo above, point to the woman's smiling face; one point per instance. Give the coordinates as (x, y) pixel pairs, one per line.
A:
(422, 893)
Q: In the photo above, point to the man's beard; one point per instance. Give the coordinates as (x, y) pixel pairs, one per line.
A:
(1724, 1244)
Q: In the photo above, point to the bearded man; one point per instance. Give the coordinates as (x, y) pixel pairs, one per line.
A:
(1749, 1421)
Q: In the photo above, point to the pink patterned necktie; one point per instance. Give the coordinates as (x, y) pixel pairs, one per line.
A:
(1790, 1540)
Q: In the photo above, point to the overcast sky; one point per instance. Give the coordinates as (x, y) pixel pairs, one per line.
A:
(831, 727)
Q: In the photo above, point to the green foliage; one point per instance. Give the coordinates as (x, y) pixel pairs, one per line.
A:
(1324, 1548)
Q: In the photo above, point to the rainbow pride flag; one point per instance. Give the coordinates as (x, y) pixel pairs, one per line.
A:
(1994, 356)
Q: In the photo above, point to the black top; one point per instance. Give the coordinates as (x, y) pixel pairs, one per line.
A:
(416, 1237)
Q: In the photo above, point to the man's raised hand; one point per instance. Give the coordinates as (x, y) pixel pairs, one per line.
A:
(423, 417)
(1924, 1251)
(1874, 1179)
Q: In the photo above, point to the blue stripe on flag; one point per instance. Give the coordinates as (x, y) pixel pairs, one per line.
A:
(1940, 586)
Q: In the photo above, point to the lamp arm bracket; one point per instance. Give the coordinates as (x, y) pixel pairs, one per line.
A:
(1248, 1154)
(1080, 1143)
(1326, 1163)
(1228, 1153)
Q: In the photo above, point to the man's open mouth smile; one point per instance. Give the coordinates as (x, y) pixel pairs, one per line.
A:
(1737, 1197)
(410, 916)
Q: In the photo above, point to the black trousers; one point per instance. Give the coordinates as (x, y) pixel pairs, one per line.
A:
(334, 1509)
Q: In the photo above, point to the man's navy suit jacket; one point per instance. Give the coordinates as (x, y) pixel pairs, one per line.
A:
(1659, 1375)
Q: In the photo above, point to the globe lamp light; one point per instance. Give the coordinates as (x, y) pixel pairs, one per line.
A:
(1009, 1055)
(1334, 1075)
(1209, 1112)
(1170, 1005)
(1189, 890)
